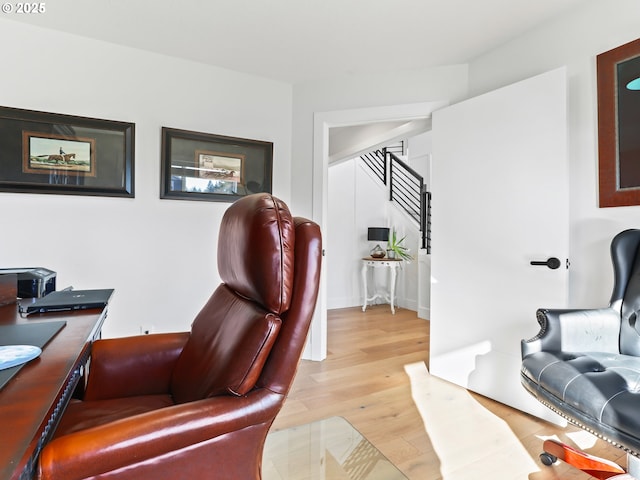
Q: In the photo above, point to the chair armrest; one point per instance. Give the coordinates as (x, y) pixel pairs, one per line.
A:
(566, 330)
(150, 439)
(129, 366)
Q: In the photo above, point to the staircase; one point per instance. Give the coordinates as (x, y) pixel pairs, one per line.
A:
(406, 186)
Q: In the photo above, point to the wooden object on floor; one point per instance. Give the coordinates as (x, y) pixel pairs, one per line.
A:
(599, 468)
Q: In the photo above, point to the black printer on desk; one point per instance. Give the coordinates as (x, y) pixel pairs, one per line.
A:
(34, 282)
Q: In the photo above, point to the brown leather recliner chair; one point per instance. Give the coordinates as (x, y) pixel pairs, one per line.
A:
(199, 404)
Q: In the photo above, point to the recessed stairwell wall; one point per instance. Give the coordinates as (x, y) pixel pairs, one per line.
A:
(357, 200)
(420, 149)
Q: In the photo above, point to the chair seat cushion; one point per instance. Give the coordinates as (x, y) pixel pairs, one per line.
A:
(82, 415)
(601, 390)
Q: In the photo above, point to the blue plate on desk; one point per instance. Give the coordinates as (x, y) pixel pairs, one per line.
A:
(14, 355)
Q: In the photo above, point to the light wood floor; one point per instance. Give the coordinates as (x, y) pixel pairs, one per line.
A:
(428, 428)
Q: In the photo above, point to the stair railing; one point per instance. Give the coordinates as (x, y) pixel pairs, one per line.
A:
(406, 187)
(408, 191)
(377, 163)
(426, 220)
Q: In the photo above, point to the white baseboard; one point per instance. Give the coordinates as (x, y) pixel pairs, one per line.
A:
(408, 304)
(343, 302)
(348, 302)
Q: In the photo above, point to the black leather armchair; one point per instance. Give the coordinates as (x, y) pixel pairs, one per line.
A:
(585, 365)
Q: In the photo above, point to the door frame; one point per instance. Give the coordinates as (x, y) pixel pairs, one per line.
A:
(322, 122)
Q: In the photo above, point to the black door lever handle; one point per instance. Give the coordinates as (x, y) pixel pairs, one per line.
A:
(551, 262)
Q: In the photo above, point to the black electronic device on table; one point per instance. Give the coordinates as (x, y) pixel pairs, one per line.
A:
(68, 300)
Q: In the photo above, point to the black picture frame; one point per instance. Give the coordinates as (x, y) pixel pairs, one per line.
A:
(53, 153)
(618, 75)
(214, 168)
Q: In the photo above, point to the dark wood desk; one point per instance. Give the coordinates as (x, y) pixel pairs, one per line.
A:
(32, 402)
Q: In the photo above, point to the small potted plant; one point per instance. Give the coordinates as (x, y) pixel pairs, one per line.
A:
(395, 248)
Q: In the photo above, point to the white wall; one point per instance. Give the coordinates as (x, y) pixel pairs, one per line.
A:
(447, 84)
(144, 247)
(574, 40)
(407, 284)
(420, 150)
(159, 255)
(340, 238)
(357, 200)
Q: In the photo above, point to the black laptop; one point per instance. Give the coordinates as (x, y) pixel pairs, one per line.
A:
(67, 300)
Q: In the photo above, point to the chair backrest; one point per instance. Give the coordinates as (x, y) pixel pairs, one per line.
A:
(281, 367)
(626, 288)
(234, 333)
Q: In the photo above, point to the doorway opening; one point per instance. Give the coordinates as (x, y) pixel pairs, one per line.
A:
(323, 123)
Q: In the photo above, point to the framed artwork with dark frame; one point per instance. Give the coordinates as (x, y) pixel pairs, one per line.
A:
(215, 168)
(618, 72)
(44, 152)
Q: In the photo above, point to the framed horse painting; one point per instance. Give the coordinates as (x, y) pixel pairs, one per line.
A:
(53, 153)
(213, 168)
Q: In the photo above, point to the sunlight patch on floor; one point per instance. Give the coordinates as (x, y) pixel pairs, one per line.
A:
(470, 441)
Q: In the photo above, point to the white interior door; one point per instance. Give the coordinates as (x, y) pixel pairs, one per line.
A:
(500, 200)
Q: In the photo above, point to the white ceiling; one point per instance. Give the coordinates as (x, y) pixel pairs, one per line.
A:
(300, 40)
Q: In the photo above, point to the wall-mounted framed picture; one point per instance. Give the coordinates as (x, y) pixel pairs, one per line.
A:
(44, 152)
(619, 125)
(215, 168)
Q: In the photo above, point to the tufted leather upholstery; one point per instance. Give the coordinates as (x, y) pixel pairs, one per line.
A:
(185, 405)
(585, 364)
